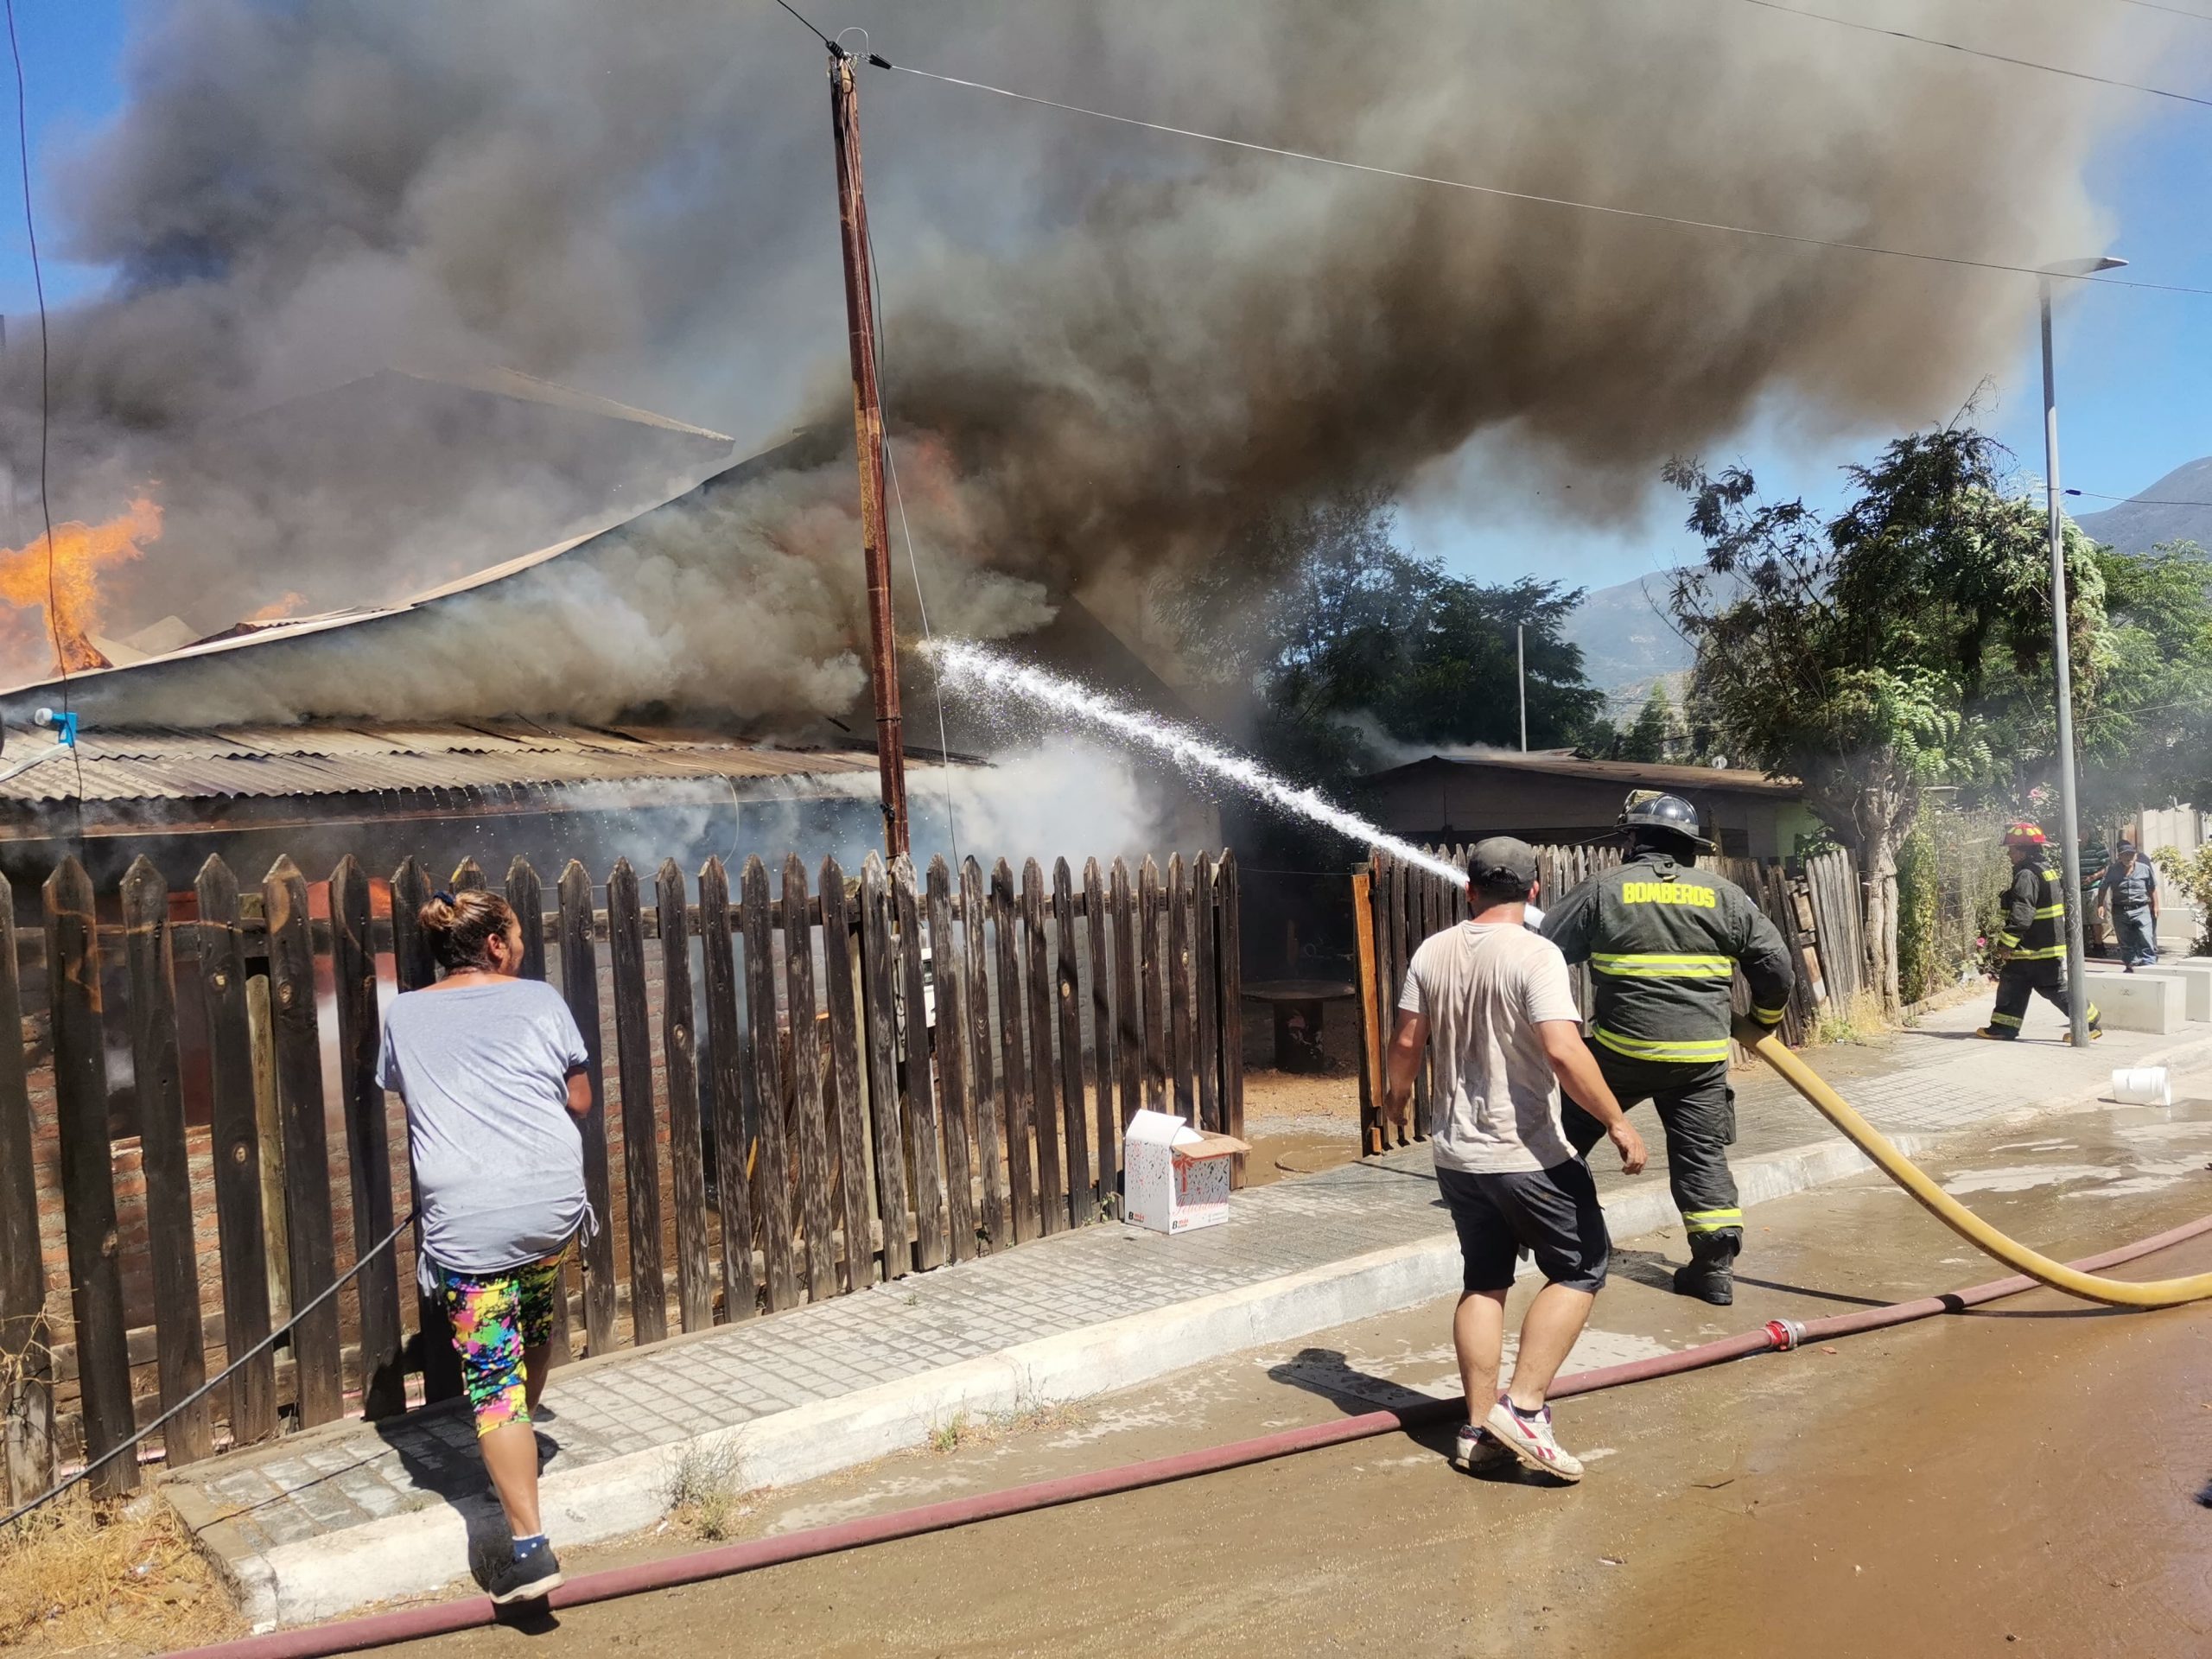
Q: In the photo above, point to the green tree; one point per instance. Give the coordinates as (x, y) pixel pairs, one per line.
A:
(1891, 647)
(1654, 734)
(2149, 734)
(1352, 648)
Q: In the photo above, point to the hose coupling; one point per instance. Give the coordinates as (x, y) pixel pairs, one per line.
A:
(1784, 1334)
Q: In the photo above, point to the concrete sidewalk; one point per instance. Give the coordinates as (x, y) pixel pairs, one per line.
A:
(352, 1513)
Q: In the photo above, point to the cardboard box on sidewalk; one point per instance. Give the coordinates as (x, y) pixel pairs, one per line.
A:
(1175, 1178)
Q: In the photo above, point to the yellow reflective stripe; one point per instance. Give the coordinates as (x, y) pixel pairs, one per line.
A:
(1711, 1221)
(1638, 1048)
(2090, 1014)
(2051, 909)
(2012, 1019)
(1768, 1016)
(1649, 964)
(2046, 953)
(2008, 940)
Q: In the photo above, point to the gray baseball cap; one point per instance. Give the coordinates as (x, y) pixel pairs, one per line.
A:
(1499, 858)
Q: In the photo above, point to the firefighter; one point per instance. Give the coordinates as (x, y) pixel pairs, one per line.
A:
(2029, 954)
(1663, 940)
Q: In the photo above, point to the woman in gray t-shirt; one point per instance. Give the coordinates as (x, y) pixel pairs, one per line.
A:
(492, 1068)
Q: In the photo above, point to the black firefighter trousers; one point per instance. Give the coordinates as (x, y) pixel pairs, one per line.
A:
(1697, 1110)
(2019, 980)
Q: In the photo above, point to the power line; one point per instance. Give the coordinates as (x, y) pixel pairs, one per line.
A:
(1976, 52)
(2176, 11)
(1543, 201)
(817, 33)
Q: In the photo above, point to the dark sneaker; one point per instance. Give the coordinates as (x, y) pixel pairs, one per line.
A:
(534, 1576)
(1995, 1036)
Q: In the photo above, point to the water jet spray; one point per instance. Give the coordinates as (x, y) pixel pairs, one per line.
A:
(977, 668)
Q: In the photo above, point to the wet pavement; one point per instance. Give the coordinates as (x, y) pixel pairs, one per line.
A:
(2021, 1479)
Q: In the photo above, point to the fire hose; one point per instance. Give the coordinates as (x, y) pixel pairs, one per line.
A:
(725, 1561)
(2114, 1292)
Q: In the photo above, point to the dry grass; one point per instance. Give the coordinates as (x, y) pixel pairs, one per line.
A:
(1859, 1020)
(83, 1576)
(707, 1497)
(1038, 1416)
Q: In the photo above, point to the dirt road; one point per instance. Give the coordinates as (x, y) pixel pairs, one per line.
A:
(2022, 1480)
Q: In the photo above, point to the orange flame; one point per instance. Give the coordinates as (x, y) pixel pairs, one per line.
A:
(80, 552)
(277, 609)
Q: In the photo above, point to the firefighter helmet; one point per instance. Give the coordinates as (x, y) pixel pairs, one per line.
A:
(1650, 808)
(2022, 834)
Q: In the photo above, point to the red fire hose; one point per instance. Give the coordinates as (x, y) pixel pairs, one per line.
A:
(442, 1619)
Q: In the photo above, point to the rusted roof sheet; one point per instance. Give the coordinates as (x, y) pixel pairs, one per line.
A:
(167, 763)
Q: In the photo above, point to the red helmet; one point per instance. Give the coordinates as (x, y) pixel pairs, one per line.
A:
(2022, 834)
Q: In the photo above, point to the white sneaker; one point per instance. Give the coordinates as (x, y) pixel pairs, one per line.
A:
(1477, 1449)
(1530, 1441)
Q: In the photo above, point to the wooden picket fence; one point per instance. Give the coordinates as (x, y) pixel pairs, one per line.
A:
(947, 1066)
(1396, 904)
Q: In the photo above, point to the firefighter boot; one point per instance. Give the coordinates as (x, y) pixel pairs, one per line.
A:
(1710, 1274)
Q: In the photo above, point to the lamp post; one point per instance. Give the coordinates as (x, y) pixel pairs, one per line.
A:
(2062, 657)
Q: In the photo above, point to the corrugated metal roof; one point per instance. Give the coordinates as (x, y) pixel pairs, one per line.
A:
(167, 763)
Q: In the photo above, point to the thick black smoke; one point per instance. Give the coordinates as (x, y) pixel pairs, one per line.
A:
(1118, 346)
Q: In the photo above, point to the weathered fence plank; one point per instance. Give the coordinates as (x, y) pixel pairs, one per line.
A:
(633, 1063)
(1205, 991)
(318, 1389)
(1043, 1087)
(580, 989)
(1180, 993)
(925, 1154)
(1129, 1011)
(234, 1149)
(840, 987)
(527, 898)
(1155, 1022)
(368, 1140)
(695, 1276)
(1067, 983)
(26, 1362)
(181, 1355)
(1097, 929)
(948, 963)
(725, 1067)
(1231, 972)
(772, 1175)
(1014, 1058)
(87, 1183)
(806, 1078)
(882, 1040)
(988, 1117)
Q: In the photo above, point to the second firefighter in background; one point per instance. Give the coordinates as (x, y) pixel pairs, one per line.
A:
(2029, 954)
(1663, 940)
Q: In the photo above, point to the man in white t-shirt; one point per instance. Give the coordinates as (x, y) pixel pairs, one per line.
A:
(1497, 1001)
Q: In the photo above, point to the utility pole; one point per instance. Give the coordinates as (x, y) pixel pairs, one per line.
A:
(2077, 993)
(1520, 674)
(867, 444)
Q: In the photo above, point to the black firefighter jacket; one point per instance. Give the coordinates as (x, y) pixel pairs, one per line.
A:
(1663, 942)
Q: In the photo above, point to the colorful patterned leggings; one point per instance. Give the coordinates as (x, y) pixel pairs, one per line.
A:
(495, 1318)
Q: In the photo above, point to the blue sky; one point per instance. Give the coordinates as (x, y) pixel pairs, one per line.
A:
(2132, 386)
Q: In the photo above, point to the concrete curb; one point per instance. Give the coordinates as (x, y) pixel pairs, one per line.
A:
(413, 1552)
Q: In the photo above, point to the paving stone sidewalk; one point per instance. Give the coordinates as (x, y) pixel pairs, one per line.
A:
(346, 1476)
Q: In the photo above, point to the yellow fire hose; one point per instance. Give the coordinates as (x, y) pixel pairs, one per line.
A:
(2116, 1293)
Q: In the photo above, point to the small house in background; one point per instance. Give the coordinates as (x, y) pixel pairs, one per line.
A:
(1554, 796)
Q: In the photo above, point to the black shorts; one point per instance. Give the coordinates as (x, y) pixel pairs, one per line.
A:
(1554, 1212)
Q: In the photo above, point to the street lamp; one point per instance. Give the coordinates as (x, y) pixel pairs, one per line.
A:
(2070, 835)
